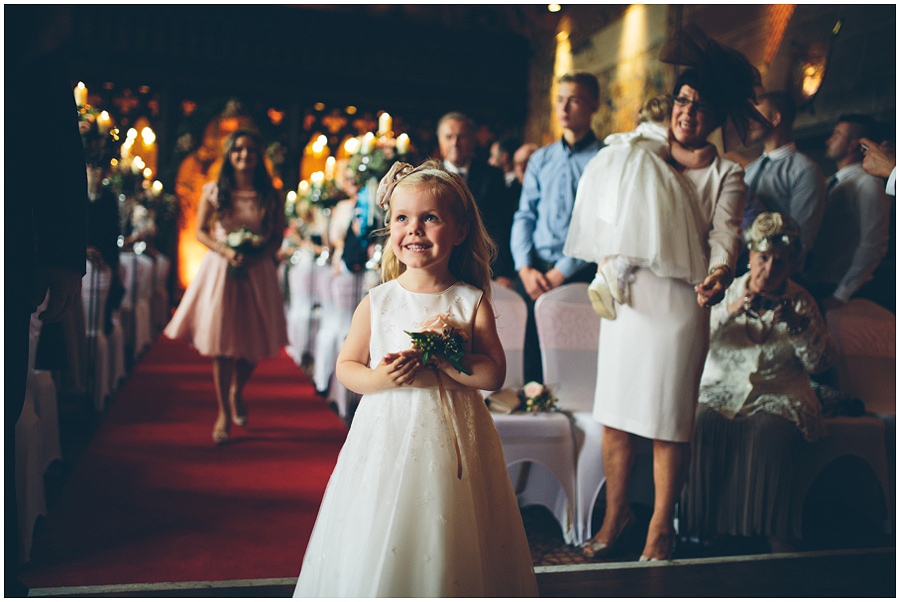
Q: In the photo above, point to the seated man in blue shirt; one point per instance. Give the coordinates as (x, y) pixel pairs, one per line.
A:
(541, 223)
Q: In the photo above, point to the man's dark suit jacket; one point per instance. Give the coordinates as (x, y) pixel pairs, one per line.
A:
(497, 204)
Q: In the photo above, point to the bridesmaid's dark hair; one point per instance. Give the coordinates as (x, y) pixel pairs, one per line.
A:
(262, 181)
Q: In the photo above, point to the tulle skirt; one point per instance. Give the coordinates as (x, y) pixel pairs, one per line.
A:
(396, 521)
(226, 315)
(632, 204)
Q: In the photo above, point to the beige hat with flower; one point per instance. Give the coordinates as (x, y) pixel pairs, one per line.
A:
(774, 231)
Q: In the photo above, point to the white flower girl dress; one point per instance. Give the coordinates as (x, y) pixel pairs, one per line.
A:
(396, 519)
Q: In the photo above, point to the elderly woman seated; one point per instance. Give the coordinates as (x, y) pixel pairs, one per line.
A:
(767, 337)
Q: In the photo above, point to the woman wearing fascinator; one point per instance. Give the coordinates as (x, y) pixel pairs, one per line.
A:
(651, 355)
(756, 400)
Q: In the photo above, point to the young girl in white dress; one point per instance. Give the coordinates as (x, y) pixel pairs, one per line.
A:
(618, 220)
(420, 503)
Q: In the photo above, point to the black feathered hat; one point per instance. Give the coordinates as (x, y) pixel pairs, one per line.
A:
(723, 76)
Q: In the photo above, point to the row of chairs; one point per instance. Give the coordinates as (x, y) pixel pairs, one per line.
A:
(142, 314)
(563, 453)
(319, 310)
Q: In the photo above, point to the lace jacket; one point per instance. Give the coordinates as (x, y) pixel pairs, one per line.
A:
(755, 365)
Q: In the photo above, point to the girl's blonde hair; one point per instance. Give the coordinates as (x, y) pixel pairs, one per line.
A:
(656, 109)
(470, 261)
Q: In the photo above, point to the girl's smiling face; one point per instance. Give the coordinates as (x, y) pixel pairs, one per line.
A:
(423, 229)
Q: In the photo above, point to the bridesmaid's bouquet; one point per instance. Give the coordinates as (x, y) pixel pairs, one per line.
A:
(439, 336)
(245, 242)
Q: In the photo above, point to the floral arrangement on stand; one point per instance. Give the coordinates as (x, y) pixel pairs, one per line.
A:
(537, 397)
(372, 155)
(440, 336)
(98, 134)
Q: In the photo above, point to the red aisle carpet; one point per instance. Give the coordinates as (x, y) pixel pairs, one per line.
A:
(153, 500)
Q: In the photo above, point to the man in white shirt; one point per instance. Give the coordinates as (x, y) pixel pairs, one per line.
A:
(855, 229)
(783, 179)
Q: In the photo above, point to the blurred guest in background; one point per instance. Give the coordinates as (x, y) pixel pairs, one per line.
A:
(232, 310)
(520, 160)
(541, 223)
(456, 142)
(783, 179)
(855, 232)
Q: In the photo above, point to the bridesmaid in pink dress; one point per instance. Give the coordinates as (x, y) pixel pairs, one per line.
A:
(233, 310)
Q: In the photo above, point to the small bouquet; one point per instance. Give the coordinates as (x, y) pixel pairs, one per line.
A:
(537, 397)
(440, 337)
(245, 242)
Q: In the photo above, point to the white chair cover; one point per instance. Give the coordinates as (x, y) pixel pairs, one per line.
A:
(29, 476)
(116, 343)
(42, 390)
(47, 409)
(861, 437)
(137, 277)
(346, 290)
(301, 278)
(160, 295)
(569, 332)
(865, 336)
(94, 292)
(30, 454)
(511, 313)
(545, 439)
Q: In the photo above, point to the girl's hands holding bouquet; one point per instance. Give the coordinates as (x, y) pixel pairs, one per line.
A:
(398, 369)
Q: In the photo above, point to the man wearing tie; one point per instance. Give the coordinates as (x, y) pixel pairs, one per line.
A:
(783, 179)
(456, 142)
(855, 230)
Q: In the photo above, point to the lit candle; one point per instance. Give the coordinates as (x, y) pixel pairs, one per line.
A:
(104, 123)
(80, 94)
(329, 168)
(351, 146)
(384, 124)
(402, 144)
(157, 187)
(148, 136)
(317, 179)
(368, 141)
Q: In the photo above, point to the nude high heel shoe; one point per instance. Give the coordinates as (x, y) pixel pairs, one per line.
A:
(602, 549)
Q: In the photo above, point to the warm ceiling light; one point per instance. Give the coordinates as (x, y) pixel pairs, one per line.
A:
(554, 8)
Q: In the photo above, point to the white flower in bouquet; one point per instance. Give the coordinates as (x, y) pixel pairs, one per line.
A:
(533, 389)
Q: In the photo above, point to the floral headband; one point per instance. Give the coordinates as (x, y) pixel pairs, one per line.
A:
(392, 178)
(770, 230)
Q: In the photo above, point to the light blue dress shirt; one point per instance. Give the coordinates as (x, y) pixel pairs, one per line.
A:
(791, 183)
(541, 223)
